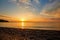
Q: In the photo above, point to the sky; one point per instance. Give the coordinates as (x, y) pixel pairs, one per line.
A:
(31, 9)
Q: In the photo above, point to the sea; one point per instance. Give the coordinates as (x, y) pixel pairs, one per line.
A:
(32, 25)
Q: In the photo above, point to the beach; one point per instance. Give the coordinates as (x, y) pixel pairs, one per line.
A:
(28, 34)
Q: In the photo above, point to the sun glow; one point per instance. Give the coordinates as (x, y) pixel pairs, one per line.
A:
(22, 23)
(22, 20)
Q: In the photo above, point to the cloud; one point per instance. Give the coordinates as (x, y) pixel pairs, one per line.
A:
(11, 0)
(53, 14)
(20, 1)
(37, 1)
(25, 15)
(25, 1)
(51, 10)
(33, 5)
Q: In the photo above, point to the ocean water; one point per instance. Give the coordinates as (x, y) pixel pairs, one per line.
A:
(32, 25)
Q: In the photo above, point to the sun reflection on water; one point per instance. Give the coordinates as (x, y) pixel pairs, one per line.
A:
(22, 25)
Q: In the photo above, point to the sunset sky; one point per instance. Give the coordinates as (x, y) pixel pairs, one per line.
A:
(35, 10)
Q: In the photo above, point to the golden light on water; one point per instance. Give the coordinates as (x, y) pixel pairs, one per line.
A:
(22, 23)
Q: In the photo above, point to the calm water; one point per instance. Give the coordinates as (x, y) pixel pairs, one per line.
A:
(31, 25)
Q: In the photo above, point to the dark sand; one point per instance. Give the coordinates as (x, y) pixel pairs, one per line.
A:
(28, 34)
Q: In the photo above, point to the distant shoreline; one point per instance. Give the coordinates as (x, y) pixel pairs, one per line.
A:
(3, 20)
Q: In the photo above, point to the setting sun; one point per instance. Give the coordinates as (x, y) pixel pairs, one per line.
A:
(22, 19)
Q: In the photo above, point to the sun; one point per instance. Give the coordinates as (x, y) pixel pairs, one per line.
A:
(22, 19)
